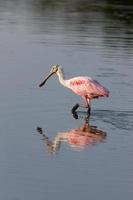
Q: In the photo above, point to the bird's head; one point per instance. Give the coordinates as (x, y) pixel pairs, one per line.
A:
(54, 70)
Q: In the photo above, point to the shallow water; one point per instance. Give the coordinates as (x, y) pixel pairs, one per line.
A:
(93, 43)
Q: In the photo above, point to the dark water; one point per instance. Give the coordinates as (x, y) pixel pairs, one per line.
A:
(44, 152)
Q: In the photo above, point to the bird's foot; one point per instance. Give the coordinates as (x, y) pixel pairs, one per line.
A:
(75, 115)
(74, 108)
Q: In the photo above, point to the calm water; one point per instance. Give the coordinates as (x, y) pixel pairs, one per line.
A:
(42, 153)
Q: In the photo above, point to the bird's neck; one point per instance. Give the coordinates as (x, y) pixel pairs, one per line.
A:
(61, 77)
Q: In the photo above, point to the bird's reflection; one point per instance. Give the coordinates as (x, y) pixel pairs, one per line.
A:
(77, 138)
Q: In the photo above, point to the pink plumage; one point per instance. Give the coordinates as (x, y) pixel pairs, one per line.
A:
(87, 87)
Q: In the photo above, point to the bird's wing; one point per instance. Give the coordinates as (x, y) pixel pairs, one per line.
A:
(96, 88)
(86, 86)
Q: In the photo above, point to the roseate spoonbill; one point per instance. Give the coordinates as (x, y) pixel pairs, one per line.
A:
(84, 86)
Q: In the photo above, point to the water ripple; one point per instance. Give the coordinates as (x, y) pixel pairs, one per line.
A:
(119, 119)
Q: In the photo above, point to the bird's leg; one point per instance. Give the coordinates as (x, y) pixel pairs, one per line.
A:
(89, 110)
(88, 106)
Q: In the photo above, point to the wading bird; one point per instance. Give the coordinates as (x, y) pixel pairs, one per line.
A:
(84, 86)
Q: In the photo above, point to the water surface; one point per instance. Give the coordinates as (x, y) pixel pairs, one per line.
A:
(93, 42)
